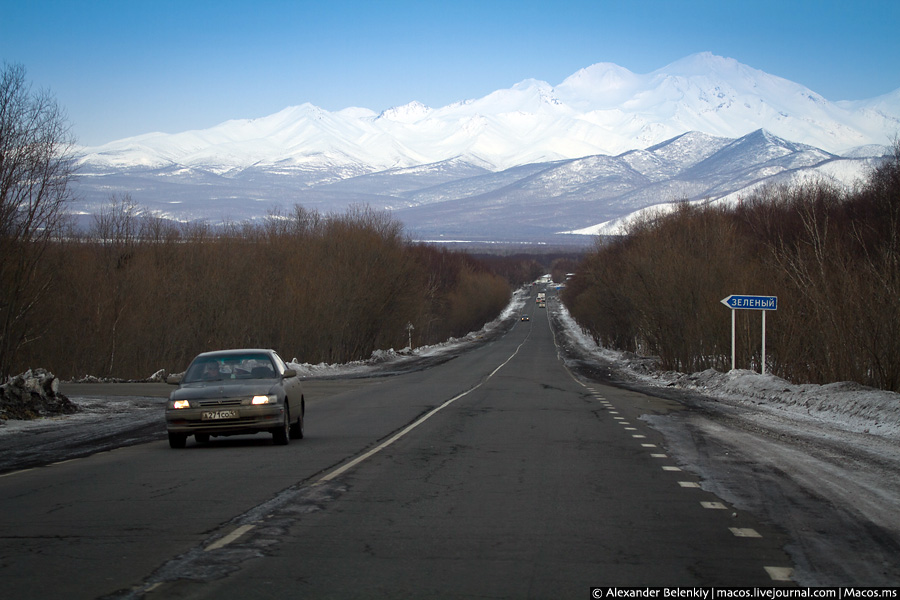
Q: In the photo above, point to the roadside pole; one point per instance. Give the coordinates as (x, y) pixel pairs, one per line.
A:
(733, 349)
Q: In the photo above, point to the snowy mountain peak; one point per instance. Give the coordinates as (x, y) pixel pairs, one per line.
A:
(533, 85)
(762, 138)
(705, 64)
(601, 83)
(408, 113)
(601, 109)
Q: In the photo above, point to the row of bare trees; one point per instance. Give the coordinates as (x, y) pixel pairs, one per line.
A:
(832, 256)
(137, 293)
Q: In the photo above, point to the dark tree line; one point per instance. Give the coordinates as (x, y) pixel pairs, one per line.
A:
(137, 293)
(832, 256)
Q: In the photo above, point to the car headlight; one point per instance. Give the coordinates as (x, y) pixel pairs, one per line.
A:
(270, 399)
(181, 404)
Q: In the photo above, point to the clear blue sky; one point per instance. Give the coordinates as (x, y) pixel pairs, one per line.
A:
(126, 67)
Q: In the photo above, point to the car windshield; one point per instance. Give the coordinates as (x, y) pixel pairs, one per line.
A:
(230, 366)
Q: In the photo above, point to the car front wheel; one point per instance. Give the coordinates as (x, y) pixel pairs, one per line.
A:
(281, 436)
(177, 440)
(297, 429)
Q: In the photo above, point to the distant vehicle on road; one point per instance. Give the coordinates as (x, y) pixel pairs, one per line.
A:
(231, 392)
(525, 318)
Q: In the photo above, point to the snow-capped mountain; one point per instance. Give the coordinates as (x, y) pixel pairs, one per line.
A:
(603, 109)
(599, 136)
(535, 201)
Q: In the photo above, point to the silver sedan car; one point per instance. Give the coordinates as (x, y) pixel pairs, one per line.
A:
(231, 392)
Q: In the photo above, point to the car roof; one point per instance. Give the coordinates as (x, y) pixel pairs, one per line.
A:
(235, 352)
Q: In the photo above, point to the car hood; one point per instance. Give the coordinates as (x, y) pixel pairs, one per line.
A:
(222, 389)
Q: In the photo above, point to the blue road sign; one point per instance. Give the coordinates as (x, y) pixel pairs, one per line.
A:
(751, 302)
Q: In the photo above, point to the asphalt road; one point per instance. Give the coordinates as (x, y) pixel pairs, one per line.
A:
(495, 474)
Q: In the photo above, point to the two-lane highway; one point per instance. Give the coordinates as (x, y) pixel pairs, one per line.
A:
(495, 474)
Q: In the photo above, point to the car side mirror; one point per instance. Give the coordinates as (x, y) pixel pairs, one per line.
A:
(290, 373)
(173, 379)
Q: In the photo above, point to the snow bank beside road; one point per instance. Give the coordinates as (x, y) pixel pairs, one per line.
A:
(32, 395)
(846, 406)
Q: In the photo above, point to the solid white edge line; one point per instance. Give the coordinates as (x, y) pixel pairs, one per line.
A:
(344, 468)
(224, 541)
(11, 473)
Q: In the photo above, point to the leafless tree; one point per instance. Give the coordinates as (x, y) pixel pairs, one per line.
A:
(115, 231)
(35, 172)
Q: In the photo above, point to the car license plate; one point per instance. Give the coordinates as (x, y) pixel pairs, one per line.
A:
(211, 415)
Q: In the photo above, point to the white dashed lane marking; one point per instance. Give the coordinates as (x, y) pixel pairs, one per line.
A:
(775, 573)
(744, 532)
(779, 573)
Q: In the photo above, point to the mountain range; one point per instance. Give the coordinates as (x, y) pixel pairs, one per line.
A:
(523, 163)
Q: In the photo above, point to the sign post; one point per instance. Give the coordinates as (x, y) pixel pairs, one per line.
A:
(409, 330)
(763, 303)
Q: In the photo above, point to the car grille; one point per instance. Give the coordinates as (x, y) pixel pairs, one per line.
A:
(222, 402)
